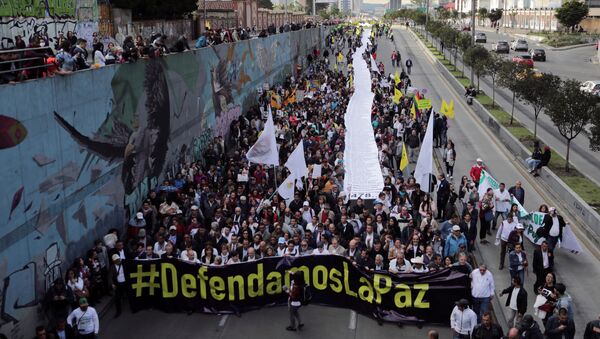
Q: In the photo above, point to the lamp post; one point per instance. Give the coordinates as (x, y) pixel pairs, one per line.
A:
(204, 9)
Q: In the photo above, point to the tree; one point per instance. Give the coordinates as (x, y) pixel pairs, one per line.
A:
(476, 57)
(264, 4)
(571, 110)
(493, 67)
(482, 13)
(464, 42)
(537, 89)
(449, 36)
(509, 79)
(571, 13)
(595, 132)
(495, 15)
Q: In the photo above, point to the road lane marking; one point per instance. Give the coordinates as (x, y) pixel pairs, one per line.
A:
(352, 323)
(223, 320)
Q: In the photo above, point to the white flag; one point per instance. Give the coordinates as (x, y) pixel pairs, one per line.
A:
(286, 189)
(569, 241)
(424, 167)
(486, 181)
(264, 151)
(297, 165)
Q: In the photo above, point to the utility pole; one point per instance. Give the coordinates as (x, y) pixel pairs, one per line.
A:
(204, 9)
(426, 12)
(314, 6)
(472, 33)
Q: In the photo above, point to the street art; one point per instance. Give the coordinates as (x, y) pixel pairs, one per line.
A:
(38, 8)
(28, 27)
(93, 144)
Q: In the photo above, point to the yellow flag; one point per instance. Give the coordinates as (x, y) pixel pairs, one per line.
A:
(335, 66)
(404, 159)
(397, 96)
(340, 57)
(351, 81)
(413, 113)
(396, 78)
(448, 109)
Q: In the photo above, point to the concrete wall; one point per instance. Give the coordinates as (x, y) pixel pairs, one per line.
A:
(78, 152)
(171, 28)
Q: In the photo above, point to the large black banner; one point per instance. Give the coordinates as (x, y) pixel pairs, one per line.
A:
(174, 286)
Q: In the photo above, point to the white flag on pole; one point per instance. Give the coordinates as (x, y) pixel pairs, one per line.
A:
(424, 167)
(286, 189)
(374, 65)
(264, 151)
(296, 164)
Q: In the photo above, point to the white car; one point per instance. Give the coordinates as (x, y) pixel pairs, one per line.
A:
(591, 86)
(520, 45)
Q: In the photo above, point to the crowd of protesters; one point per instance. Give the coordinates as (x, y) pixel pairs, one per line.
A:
(220, 210)
(45, 56)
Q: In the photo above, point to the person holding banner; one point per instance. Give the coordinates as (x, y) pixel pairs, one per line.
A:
(552, 228)
(475, 172)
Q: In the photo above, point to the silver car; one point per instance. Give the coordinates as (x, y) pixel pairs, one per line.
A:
(502, 47)
(520, 45)
(592, 86)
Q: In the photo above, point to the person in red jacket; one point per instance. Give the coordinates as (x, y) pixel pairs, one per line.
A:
(475, 172)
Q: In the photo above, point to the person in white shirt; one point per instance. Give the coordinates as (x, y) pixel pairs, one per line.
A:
(502, 234)
(85, 319)
(291, 250)
(482, 290)
(462, 320)
(189, 255)
(234, 258)
(320, 250)
(419, 265)
(307, 212)
(502, 203)
(400, 264)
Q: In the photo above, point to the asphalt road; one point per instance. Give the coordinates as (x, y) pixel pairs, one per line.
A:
(473, 140)
(573, 63)
(567, 64)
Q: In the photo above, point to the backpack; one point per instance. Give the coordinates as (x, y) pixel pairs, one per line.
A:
(306, 296)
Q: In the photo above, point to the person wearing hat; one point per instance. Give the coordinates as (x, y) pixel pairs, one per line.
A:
(281, 246)
(136, 223)
(462, 320)
(475, 172)
(418, 266)
(454, 241)
(173, 237)
(116, 275)
(84, 320)
(307, 212)
(552, 227)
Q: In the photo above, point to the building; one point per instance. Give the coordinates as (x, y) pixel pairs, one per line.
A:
(395, 5)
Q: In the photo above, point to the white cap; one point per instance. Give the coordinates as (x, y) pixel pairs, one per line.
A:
(194, 208)
(519, 226)
(172, 228)
(139, 215)
(306, 203)
(179, 212)
(552, 209)
(417, 260)
(115, 257)
(455, 228)
(479, 160)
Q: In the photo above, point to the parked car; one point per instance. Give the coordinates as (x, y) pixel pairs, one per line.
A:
(480, 37)
(520, 45)
(592, 86)
(524, 59)
(538, 54)
(502, 47)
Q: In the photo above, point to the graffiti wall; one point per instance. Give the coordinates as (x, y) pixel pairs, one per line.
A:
(79, 152)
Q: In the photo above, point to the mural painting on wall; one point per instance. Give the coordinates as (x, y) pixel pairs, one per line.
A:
(38, 8)
(83, 170)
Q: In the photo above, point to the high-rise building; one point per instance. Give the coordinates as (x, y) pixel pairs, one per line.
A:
(395, 5)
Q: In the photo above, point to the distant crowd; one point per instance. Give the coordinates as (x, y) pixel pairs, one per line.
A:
(44, 56)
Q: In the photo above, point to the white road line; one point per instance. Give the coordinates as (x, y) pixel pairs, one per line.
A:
(223, 320)
(352, 323)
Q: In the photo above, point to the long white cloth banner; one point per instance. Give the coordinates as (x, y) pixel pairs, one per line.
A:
(363, 177)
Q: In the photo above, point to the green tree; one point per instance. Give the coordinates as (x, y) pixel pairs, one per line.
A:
(571, 13)
(595, 132)
(464, 42)
(449, 37)
(571, 110)
(509, 79)
(495, 15)
(493, 68)
(537, 89)
(482, 13)
(477, 57)
(267, 4)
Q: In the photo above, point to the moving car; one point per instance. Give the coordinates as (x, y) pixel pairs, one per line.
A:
(520, 45)
(592, 86)
(502, 47)
(480, 37)
(524, 59)
(538, 54)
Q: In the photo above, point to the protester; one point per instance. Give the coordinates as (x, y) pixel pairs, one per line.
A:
(560, 326)
(516, 301)
(295, 291)
(462, 320)
(84, 320)
(482, 290)
(487, 329)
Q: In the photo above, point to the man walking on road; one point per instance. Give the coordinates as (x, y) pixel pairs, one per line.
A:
(543, 263)
(487, 329)
(409, 65)
(502, 204)
(503, 235)
(516, 301)
(476, 169)
(553, 225)
(482, 290)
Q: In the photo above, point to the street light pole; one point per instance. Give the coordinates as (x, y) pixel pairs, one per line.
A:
(472, 33)
(204, 9)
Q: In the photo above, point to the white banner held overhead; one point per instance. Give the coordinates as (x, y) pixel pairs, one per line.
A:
(363, 177)
(424, 167)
